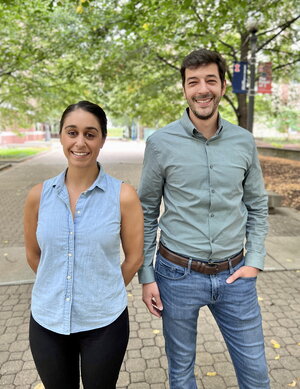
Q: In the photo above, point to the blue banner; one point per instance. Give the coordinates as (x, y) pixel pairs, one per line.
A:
(239, 79)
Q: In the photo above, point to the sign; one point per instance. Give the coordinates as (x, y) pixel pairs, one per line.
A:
(264, 84)
(239, 79)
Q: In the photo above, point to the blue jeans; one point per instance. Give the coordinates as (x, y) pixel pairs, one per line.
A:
(235, 309)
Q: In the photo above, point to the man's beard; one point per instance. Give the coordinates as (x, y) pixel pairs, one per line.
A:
(203, 117)
(208, 115)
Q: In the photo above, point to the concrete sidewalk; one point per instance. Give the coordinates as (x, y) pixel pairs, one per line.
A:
(145, 363)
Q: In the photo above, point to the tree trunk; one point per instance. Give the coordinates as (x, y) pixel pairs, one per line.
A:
(129, 131)
(242, 109)
(242, 97)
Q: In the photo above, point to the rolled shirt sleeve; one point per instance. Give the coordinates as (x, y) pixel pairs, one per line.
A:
(150, 193)
(256, 201)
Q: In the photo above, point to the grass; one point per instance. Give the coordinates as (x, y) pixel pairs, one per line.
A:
(18, 153)
(115, 132)
(281, 141)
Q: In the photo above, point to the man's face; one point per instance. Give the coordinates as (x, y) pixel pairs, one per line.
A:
(203, 90)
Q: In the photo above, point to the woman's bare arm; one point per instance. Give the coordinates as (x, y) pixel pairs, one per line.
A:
(132, 232)
(31, 210)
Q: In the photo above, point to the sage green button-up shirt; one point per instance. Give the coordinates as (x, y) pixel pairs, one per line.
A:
(213, 193)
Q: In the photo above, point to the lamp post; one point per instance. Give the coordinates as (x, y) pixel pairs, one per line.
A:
(252, 28)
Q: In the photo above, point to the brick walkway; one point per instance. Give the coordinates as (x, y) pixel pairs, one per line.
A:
(145, 364)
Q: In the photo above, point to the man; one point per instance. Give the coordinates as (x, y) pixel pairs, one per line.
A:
(208, 174)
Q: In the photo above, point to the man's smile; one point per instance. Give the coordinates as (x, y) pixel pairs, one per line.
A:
(202, 100)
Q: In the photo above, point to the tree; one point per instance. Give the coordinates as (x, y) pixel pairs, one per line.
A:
(151, 38)
(125, 55)
(44, 61)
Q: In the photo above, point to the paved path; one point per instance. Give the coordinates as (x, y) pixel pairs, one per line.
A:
(145, 362)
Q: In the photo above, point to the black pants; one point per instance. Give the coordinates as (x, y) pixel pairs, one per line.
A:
(100, 352)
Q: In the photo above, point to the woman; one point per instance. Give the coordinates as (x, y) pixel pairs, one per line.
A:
(73, 225)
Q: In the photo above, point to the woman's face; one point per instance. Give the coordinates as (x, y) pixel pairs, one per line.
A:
(81, 138)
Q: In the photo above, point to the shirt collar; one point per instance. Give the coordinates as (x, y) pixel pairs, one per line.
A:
(100, 182)
(190, 128)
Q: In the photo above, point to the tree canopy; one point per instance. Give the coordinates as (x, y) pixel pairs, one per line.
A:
(126, 55)
(154, 36)
(42, 60)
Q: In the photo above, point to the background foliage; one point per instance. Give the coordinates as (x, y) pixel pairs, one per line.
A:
(125, 54)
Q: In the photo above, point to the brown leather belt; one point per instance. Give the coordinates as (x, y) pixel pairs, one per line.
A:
(200, 267)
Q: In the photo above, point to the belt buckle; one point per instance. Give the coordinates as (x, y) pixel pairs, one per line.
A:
(213, 265)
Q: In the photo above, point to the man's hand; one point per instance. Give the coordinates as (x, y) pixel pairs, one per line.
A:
(152, 299)
(244, 271)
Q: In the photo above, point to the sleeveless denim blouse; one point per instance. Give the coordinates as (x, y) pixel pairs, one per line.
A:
(79, 284)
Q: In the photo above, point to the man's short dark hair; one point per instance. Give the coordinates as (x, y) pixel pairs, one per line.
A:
(203, 57)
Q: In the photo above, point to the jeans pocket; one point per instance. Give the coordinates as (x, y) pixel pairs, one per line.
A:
(238, 266)
(249, 278)
(169, 270)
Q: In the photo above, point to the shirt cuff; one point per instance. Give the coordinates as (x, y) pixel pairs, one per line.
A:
(255, 260)
(146, 275)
